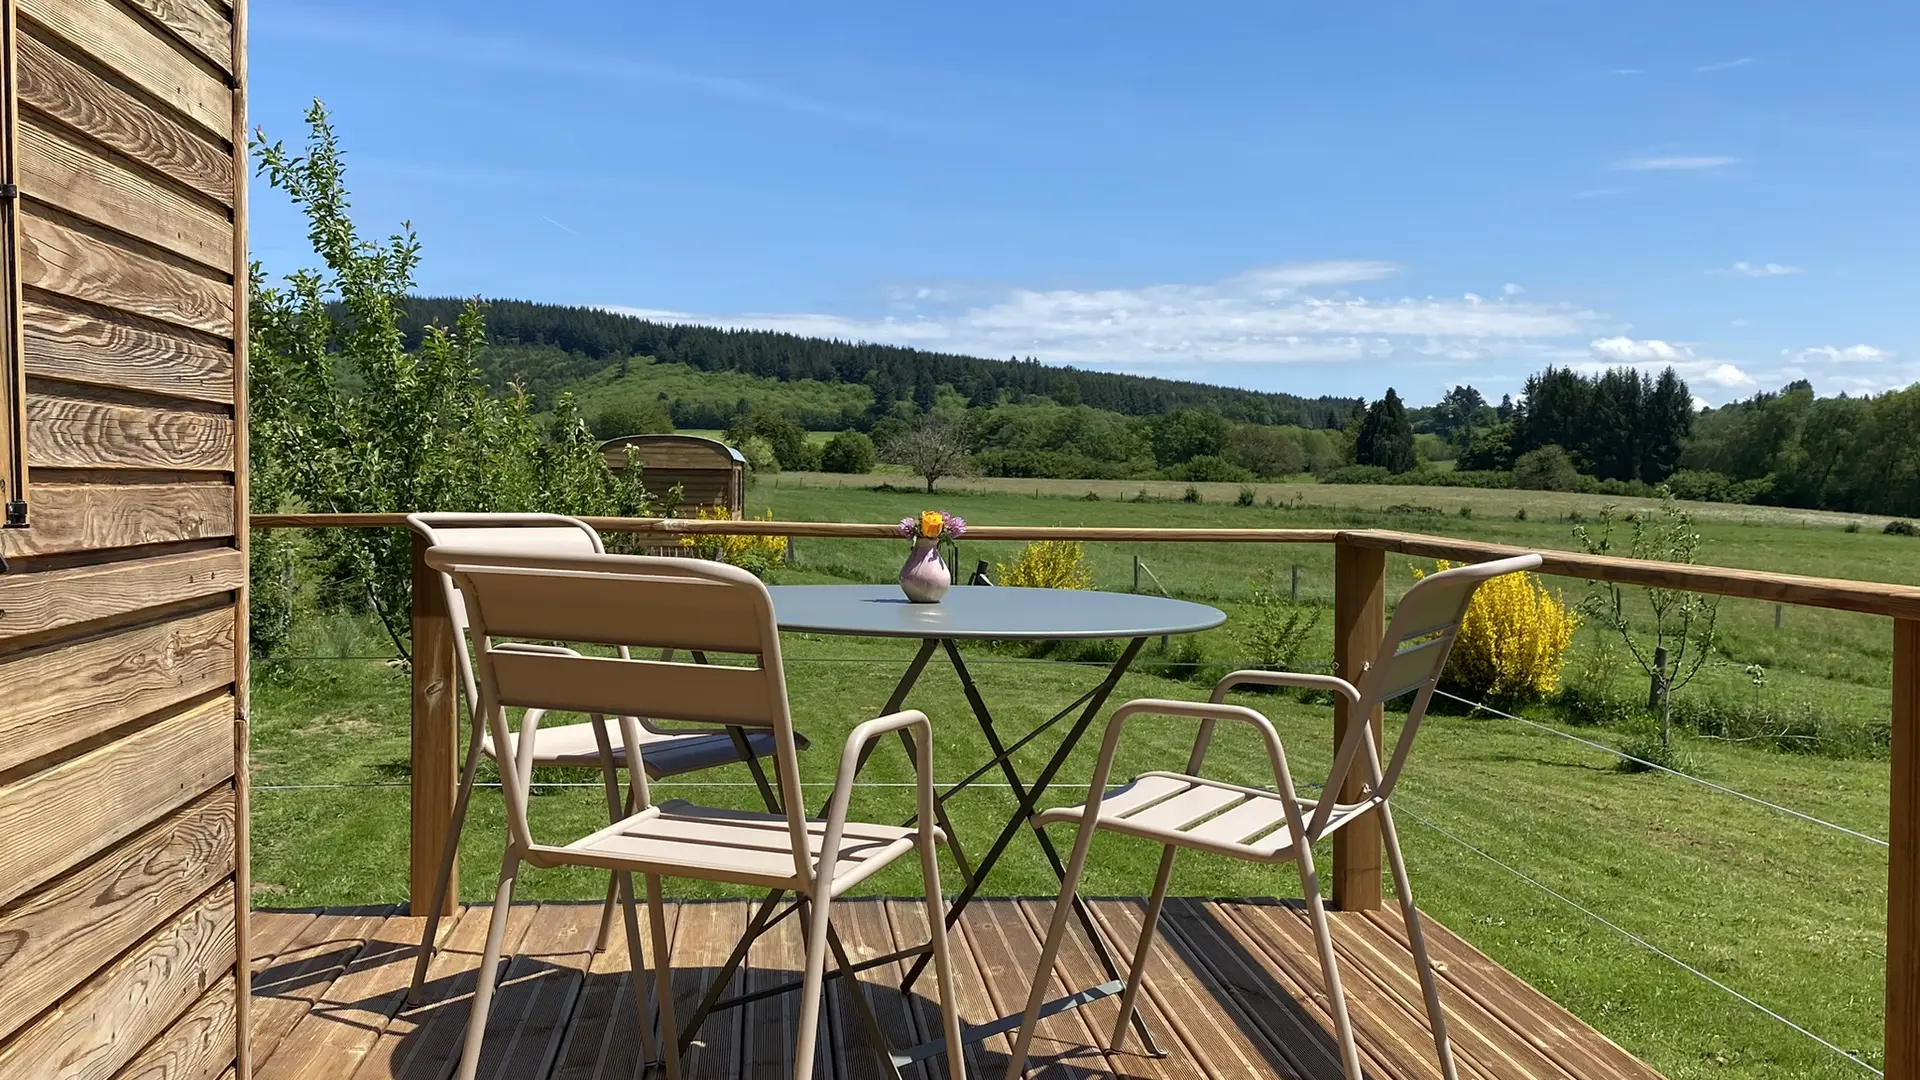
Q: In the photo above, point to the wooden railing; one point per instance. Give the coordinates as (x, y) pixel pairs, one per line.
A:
(1359, 626)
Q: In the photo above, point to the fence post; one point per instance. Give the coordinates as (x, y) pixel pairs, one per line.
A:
(1293, 591)
(1136, 572)
(1902, 1059)
(1360, 625)
(436, 740)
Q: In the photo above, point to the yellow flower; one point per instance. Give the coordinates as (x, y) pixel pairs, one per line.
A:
(931, 523)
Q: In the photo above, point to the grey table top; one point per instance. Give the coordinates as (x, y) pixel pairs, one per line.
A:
(979, 611)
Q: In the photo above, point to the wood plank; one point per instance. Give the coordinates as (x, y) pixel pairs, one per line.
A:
(298, 978)
(538, 991)
(1076, 969)
(120, 42)
(988, 1057)
(199, 1045)
(432, 1033)
(1222, 1041)
(84, 689)
(88, 517)
(1008, 955)
(358, 1006)
(703, 934)
(35, 602)
(101, 1026)
(73, 94)
(197, 25)
(77, 264)
(603, 1040)
(273, 933)
(51, 941)
(772, 1024)
(382, 1056)
(100, 348)
(61, 172)
(865, 932)
(65, 432)
(1359, 620)
(1902, 1037)
(57, 819)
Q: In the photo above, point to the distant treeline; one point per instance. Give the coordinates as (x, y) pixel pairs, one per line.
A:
(589, 339)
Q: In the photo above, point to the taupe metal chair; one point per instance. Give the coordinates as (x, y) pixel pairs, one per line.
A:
(676, 604)
(569, 746)
(1185, 810)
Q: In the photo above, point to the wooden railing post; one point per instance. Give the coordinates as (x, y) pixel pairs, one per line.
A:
(436, 740)
(1359, 626)
(1903, 861)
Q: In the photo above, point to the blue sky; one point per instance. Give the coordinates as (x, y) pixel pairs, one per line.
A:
(1317, 198)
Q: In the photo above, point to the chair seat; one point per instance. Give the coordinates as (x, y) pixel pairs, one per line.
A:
(665, 753)
(1192, 811)
(737, 845)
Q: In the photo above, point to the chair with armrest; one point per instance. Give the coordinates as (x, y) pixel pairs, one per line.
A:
(1186, 810)
(675, 605)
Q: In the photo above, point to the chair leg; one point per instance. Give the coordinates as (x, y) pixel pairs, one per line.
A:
(810, 990)
(636, 961)
(604, 936)
(1043, 970)
(1129, 998)
(662, 979)
(942, 958)
(1417, 941)
(429, 943)
(489, 973)
(1329, 965)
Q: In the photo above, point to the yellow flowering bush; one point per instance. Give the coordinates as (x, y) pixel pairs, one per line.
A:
(1512, 641)
(758, 554)
(1047, 564)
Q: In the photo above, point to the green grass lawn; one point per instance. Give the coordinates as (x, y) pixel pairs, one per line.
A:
(1786, 912)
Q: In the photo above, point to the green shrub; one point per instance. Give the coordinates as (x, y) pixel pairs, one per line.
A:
(1853, 527)
(631, 418)
(1246, 496)
(1901, 528)
(1546, 469)
(1209, 469)
(1192, 495)
(1358, 474)
(1274, 628)
(848, 452)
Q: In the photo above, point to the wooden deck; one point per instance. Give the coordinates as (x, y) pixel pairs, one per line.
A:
(1233, 993)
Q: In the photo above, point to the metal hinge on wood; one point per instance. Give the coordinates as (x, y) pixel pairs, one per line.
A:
(9, 191)
(17, 514)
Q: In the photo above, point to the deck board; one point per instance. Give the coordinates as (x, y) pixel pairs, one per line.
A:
(1233, 992)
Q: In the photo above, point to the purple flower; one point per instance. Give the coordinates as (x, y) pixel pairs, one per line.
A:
(956, 525)
(908, 526)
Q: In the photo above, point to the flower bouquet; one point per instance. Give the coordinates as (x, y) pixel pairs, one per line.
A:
(925, 578)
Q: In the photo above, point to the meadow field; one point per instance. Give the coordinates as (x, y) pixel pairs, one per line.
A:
(1534, 846)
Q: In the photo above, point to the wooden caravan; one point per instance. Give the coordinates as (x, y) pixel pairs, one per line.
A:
(122, 599)
(708, 472)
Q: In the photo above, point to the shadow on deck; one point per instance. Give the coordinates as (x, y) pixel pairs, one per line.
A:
(1233, 992)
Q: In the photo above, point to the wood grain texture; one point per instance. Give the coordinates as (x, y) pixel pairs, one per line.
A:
(196, 25)
(34, 602)
(1359, 627)
(51, 941)
(82, 690)
(61, 172)
(436, 739)
(57, 819)
(65, 260)
(122, 43)
(65, 432)
(199, 1045)
(100, 1027)
(87, 517)
(73, 94)
(102, 348)
(1903, 861)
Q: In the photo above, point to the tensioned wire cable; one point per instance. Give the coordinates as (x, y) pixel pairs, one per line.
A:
(1644, 943)
(1624, 756)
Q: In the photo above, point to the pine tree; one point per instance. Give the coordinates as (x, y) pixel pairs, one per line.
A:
(1386, 438)
(1667, 424)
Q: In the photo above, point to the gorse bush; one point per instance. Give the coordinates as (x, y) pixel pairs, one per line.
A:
(1511, 642)
(1275, 628)
(1047, 564)
(756, 554)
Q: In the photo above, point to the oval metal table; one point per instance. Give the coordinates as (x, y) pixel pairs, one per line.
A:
(983, 613)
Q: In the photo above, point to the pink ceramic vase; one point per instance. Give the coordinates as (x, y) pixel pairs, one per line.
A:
(925, 578)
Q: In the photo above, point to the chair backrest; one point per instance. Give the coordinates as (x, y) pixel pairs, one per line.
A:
(681, 605)
(553, 533)
(1411, 658)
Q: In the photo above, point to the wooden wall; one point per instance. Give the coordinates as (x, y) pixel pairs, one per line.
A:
(122, 630)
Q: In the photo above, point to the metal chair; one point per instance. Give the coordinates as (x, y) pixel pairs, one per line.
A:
(1184, 810)
(676, 604)
(571, 746)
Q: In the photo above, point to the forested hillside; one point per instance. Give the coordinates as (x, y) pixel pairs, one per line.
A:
(581, 341)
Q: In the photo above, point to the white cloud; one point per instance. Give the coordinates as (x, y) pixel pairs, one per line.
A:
(1282, 314)
(1510, 289)
(1629, 71)
(1654, 353)
(1724, 65)
(1851, 354)
(1675, 162)
(1743, 268)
